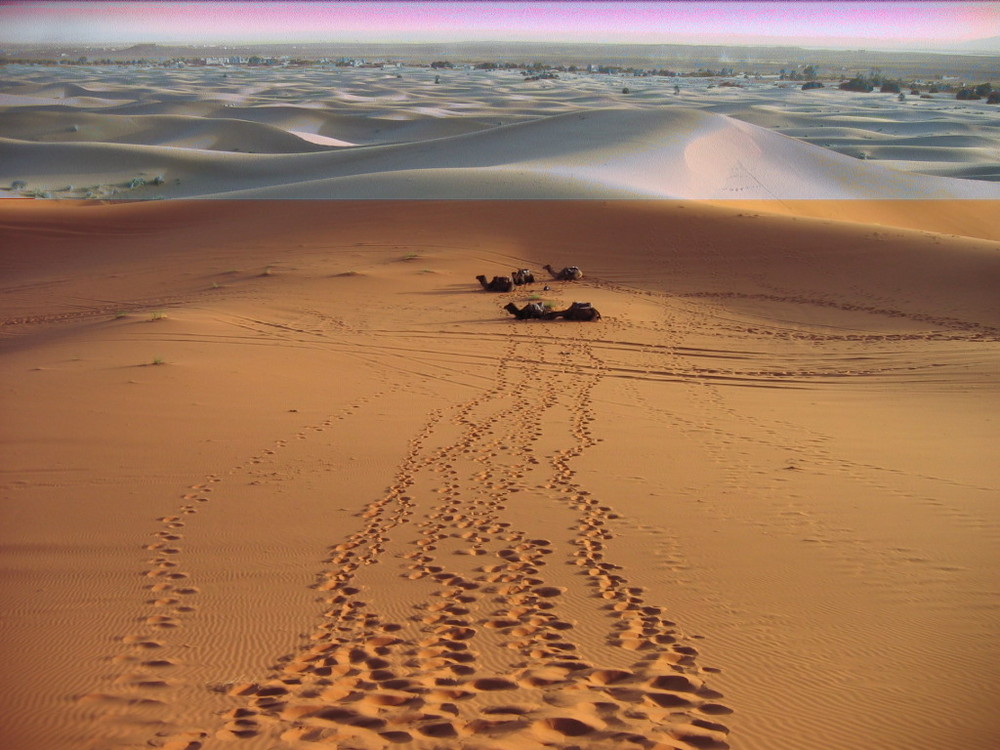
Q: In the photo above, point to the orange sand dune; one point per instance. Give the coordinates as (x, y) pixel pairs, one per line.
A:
(280, 474)
(961, 218)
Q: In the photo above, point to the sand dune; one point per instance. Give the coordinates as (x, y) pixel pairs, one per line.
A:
(733, 405)
(675, 153)
(153, 130)
(701, 143)
(280, 474)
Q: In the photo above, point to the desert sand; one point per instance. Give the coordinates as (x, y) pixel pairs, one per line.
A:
(278, 473)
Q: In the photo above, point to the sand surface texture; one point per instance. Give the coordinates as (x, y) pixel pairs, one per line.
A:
(281, 474)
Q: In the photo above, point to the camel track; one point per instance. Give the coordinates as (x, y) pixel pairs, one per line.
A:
(499, 641)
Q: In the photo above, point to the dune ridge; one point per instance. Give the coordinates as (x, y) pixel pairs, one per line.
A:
(666, 154)
(362, 134)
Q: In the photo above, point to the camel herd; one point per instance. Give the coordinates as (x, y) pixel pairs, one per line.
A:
(520, 277)
(537, 310)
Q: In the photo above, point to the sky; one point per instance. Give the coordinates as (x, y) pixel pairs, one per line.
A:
(872, 24)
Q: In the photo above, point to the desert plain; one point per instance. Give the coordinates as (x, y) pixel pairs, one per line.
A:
(279, 473)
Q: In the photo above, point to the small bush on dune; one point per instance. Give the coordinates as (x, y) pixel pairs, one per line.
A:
(982, 91)
(857, 84)
(967, 95)
(548, 304)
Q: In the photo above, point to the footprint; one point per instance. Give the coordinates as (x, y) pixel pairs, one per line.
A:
(162, 621)
(562, 726)
(493, 683)
(142, 641)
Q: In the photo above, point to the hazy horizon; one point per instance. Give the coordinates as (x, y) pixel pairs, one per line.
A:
(848, 25)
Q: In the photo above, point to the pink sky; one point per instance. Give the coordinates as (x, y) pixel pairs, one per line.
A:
(873, 23)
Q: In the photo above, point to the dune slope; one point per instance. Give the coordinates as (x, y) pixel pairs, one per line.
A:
(666, 153)
(280, 473)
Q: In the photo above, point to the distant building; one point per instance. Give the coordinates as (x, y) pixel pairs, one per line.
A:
(223, 61)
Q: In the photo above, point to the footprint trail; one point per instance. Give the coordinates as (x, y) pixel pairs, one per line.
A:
(481, 648)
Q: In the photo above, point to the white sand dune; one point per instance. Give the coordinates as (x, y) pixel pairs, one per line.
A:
(667, 154)
(152, 130)
(647, 143)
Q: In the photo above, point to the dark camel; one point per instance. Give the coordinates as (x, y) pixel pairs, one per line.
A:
(529, 311)
(536, 310)
(569, 273)
(498, 284)
(522, 276)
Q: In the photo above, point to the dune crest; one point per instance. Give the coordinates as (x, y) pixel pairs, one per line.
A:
(357, 134)
(609, 154)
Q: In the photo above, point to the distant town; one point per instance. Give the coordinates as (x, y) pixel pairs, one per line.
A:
(968, 76)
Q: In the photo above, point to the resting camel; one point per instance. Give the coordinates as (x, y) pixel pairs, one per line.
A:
(522, 276)
(498, 284)
(530, 310)
(576, 311)
(569, 273)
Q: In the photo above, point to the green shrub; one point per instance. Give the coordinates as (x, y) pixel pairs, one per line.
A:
(857, 84)
(967, 95)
